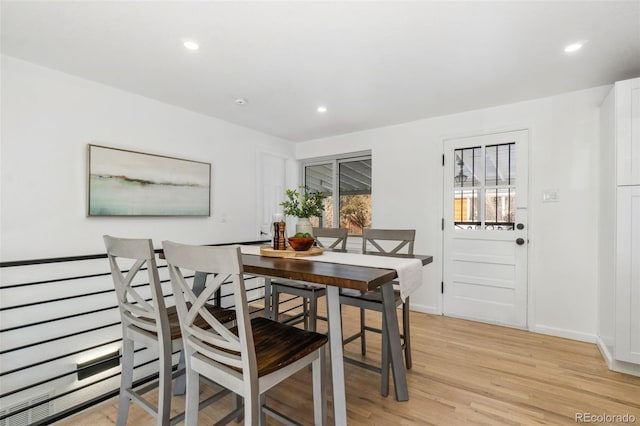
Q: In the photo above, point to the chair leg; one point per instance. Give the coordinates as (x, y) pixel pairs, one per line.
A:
(305, 312)
(407, 333)
(319, 390)
(313, 311)
(263, 415)
(267, 298)
(192, 397)
(252, 407)
(384, 364)
(164, 385)
(126, 381)
(179, 387)
(275, 307)
(237, 403)
(363, 343)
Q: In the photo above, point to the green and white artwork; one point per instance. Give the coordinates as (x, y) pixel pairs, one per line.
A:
(128, 183)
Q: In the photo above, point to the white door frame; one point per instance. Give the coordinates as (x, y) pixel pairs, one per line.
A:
(531, 210)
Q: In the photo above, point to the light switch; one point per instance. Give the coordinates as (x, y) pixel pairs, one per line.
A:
(550, 196)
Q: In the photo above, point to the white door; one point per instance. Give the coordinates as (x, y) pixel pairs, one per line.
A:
(485, 228)
(271, 187)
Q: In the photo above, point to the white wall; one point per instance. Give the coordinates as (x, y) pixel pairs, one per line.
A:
(48, 118)
(563, 130)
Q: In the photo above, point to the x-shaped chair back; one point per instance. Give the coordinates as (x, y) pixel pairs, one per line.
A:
(388, 241)
(339, 236)
(141, 315)
(231, 354)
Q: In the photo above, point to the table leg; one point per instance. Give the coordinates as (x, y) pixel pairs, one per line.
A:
(179, 388)
(268, 312)
(337, 365)
(393, 333)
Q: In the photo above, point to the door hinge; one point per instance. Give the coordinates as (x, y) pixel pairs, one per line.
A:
(442, 224)
(442, 160)
(441, 287)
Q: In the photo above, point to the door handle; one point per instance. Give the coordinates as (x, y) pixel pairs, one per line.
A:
(520, 241)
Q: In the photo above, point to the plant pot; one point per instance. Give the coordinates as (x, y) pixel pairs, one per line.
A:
(304, 226)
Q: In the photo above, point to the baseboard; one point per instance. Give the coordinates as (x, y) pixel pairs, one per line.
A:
(626, 368)
(615, 365)
(564, 333)
(425, 309)
(608, 356)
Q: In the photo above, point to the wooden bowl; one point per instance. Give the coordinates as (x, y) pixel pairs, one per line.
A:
(301, 243)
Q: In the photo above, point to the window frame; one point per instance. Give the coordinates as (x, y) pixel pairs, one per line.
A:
(335, 161)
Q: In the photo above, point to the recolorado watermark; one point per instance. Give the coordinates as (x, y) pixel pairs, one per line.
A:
(604, 418)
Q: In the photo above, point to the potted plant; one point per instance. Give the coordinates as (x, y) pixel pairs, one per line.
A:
(303, 204)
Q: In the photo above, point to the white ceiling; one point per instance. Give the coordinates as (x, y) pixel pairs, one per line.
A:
(371, 63)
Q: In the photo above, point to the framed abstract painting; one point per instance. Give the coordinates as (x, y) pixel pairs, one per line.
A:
(130, 183)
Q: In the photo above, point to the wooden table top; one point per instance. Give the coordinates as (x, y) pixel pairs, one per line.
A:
(361, 278)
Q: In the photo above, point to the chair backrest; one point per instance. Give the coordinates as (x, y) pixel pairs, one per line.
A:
(338, 236)
(222, 348)
(388, 241)
(126, 259)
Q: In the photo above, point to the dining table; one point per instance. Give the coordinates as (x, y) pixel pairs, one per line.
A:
(336, 276)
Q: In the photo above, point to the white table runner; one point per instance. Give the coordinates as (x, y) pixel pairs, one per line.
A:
(409, 270)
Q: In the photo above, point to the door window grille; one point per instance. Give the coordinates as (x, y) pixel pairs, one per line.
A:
(484, 181)
(466, 172)
(500, 167)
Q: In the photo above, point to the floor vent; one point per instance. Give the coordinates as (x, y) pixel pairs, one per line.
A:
(28, 412)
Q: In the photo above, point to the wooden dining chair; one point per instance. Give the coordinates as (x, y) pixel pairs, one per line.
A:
(148, 322)
(385, 242)
(332, 238)
(248, 359)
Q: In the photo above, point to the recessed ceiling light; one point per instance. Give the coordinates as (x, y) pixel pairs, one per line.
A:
(191, 45)
(322, 109)
(241, 101)
(574, 47)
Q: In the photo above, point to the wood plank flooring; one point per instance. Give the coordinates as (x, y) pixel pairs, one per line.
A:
(464, 373)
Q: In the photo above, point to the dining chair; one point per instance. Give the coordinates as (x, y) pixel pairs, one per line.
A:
(149, 322)
(384, 242)
(248, 359)
(332, 238)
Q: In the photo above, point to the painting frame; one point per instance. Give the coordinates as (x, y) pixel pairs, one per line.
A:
(127, 183)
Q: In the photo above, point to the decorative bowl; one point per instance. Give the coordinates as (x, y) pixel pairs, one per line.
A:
(301, 243)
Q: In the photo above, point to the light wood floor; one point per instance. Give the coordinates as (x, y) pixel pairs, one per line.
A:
(464, 373)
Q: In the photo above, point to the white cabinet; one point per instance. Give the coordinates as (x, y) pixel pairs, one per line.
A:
(619, 228)
(627, 127)
(628, 275)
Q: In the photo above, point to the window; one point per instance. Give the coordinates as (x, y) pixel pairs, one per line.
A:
(489, 183)
(347, 183)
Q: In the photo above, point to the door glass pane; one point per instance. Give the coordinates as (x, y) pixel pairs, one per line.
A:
(319, 178)
(355, 195)
(500, 207)
(500, 164)
(467, 172)
(467, 167)
(500, 168)
(465, 209)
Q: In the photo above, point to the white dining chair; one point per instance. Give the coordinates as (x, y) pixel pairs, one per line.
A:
(331, 238)
(248, 359)
(147, 321)
(385, 242)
